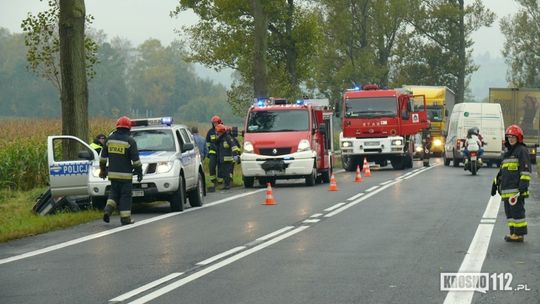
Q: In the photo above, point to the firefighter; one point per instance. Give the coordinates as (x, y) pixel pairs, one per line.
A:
(121, 152)
(512, 182)
(98, 142)
(228, 153)
(211, 139)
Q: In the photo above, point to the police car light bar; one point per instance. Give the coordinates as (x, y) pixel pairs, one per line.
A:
(152, 121)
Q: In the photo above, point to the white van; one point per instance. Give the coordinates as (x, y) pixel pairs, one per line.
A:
(488, 118)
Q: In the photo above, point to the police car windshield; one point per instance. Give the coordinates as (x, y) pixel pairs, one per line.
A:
(154, 140)
(371, 107)
(278, 121)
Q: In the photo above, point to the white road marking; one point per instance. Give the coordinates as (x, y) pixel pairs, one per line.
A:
(272, 234)
(119, 229)
(317, 215)
(372, 188)
(310, 221)
(146, 287)
(157, 293)
(393, 182)
(352, 198)
(386, 182)
(474, 259)
(221, 255)
(334, 207)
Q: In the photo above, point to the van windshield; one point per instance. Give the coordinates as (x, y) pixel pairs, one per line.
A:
(371, 107)
(278, 121)
(154, 140)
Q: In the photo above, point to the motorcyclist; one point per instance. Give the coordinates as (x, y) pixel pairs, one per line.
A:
(473, 140)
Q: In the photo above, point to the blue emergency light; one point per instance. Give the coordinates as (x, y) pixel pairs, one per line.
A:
(300, 102)
(152, 121)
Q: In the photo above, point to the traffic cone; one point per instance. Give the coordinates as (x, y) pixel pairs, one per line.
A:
(367, 172)
(333, 184)
(269, 197)
(358, 178)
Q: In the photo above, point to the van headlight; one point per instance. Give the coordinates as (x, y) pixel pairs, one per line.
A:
(397, 142)
(164, 167)
(418, 148)
(304, 145)
(346, 144)
(248, 147)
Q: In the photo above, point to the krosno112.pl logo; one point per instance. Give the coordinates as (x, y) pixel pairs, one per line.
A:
(479, 281)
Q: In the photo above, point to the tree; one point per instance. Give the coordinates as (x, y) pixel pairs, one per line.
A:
(441, 45)
(225, 37)
(521, 50)
(56, 45)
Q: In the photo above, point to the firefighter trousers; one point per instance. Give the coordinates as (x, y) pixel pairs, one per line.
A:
(515, 215)
(121, 195)
(212, 166)
(226, 170)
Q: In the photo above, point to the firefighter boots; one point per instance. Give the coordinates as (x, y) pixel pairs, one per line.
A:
(126, 220)
(107, 211)
(514, 238)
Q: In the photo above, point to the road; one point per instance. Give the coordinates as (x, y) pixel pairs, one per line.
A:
(385, 240)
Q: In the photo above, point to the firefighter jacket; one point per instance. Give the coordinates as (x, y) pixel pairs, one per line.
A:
(121, 152)
(227, 148)
(515, 172)
(211, 141)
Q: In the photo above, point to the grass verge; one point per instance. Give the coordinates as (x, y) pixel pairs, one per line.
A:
(17, 219)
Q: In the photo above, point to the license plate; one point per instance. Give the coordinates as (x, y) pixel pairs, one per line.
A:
(372, 143)
(273, 172)
(137, 193)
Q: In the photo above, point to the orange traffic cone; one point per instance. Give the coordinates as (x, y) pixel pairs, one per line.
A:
(367, 172)
(269, 197)
(358, 178)
(333, 184)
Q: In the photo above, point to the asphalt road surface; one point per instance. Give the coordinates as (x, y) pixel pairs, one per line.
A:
(413, 236)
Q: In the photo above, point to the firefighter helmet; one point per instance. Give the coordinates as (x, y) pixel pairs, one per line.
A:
(123, 122)
(221, 128)
(216, 119)
(516, 131)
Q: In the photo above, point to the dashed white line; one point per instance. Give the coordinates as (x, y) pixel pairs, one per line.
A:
(352, 198)
(317, 215)
(334, 207)
(221, 255)
(310, 221)
(157, 293)
(146, 287)
(372, 188)
(386, 182)
(272, 234)
(119, 229)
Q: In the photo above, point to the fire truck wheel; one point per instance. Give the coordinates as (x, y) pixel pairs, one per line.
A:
(248, 181)
(348, 163)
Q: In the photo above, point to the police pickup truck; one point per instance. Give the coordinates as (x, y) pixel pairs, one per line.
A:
(172, 169)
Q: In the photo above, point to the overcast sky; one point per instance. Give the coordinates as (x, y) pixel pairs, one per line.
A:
(138, 20)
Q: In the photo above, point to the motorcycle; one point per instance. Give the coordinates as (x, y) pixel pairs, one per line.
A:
(473, 161)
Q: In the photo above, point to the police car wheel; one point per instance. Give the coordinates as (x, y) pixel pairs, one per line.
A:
(196, 195)
(312, 178)
(178, 198)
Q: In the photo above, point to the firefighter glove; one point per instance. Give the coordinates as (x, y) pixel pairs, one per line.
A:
(493, 189)
(139, 173)
(103, 173)
(236, 159)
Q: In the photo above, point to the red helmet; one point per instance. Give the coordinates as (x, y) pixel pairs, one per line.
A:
(123, 122)
(216, 119)
(221, 128)
(516, 131)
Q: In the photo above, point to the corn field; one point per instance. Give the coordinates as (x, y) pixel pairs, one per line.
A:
(23, 149)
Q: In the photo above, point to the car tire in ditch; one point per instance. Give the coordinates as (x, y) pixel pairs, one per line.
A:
(196, 196)
(99, 202)
(178, 198)
(248, 181)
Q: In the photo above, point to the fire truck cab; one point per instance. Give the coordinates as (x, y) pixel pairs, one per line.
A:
(285, 140)
(380, 125)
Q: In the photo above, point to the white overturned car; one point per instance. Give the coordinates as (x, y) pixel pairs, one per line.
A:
(172, 168)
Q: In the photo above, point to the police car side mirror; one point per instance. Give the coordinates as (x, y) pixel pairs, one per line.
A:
(188, 146)
(85, 154)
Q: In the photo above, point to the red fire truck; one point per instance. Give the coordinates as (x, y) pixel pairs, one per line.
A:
(285, 140)
(380, 124)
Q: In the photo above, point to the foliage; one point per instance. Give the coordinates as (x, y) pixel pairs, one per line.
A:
(43, 42)
(224, 37)
(521, 50)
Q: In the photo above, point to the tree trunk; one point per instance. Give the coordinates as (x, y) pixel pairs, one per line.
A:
(74, 95)
(291, 45)
(259, 53)
(460, 92)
